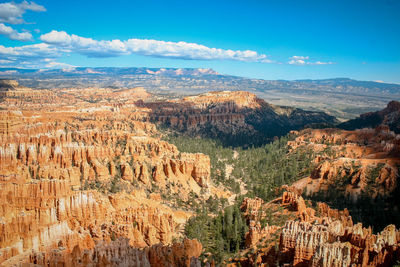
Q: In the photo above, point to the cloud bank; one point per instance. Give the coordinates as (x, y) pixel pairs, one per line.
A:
(155, 48)
(58, 43)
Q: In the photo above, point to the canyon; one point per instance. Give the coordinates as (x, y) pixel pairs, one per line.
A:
(88, 179)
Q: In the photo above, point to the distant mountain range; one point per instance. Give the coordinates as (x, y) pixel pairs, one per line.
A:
(119, 75)
(341, 97)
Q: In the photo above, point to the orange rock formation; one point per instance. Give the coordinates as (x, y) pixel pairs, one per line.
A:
(352, 160)
(326, 237)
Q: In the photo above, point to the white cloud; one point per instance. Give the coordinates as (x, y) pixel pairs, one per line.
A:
(13, 34)
(155, 48)
(304, 60)
(12, 12)
(300, 58)
(32, 6)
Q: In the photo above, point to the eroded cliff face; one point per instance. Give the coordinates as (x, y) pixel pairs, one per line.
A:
(235, 117)
(331, 239)
(389, 116)
(356, 162)
(300, 235)
(14, 95)
(361, 166)
(84, 183)
(121, 253)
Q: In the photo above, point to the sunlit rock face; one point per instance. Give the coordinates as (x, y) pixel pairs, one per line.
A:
(330, 243)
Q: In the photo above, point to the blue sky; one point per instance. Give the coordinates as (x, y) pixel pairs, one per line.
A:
(277, 39)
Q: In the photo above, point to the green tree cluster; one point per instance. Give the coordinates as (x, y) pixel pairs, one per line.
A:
(262, 169)
(221, 235)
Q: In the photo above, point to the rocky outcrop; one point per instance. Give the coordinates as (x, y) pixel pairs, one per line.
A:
(334, 254)
(257, 232)
(331, 239)
(332, 244)
(198, 165)
(355, 170)
(295, 202)
(299, 241)
(250, 207)
(44, 215)
(121, 253)
(118, 253)
(342, 215)
(327, 237)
